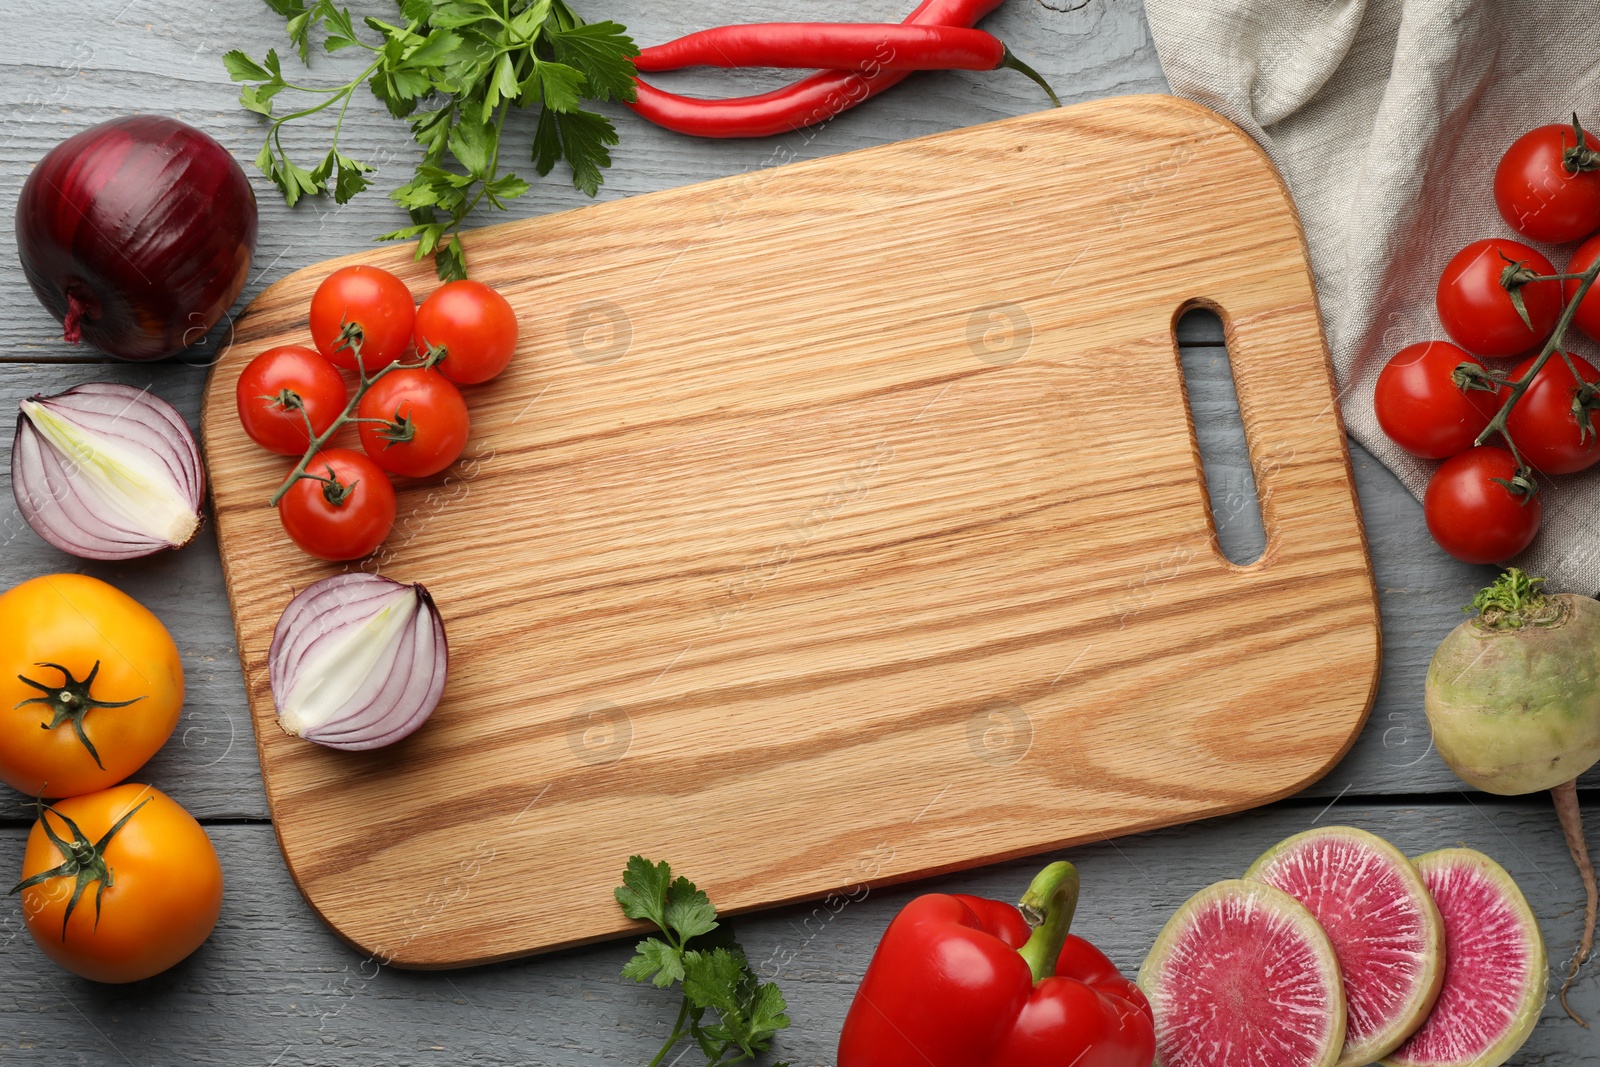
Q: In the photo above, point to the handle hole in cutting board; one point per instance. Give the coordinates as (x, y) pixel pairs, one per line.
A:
(1219, 433)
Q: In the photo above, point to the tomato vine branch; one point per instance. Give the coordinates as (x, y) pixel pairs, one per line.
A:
(1556, 343)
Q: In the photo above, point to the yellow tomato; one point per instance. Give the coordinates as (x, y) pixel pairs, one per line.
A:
(148, 891)
(90, 685)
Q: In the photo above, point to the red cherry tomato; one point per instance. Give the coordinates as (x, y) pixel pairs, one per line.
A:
(421, 422)
(371, 300)
(274, 383)
(1422, 408)
(346, 516)
(1544, 425)
(1476, 310)
(1588, 315)
(1474, 517)
(473, 324)
(1539, 196)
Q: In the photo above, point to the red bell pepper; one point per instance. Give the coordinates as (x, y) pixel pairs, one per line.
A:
(959, 981)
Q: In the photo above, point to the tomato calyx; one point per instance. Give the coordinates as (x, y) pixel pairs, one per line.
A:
(71, 701)
(1470, 376)
(351, 337)
(435, 355)
(1520, 485)
(1512, 279)
(397, 431)
(334, 491)
(1579, 157)
(1585, 400)
(286, 400)
(85, 860)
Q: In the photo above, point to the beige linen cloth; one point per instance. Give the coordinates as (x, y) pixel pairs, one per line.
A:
(1387, 118)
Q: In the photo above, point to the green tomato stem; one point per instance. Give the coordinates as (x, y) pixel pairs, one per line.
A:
(1557, 340)
(346, 417)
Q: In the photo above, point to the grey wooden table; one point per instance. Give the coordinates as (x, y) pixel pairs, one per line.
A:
(275, 986)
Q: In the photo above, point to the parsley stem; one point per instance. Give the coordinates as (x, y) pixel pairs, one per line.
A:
(343, 93)
(677, 1034)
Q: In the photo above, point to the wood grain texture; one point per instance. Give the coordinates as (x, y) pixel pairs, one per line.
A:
(814, 507)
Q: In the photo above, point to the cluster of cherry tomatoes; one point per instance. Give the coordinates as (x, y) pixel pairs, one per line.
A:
(410, 417)
(1499, 299)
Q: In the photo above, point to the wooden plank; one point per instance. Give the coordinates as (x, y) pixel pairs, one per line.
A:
(995, 539)
(273, 985)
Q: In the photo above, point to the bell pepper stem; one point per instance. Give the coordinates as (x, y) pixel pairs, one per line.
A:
(1048, 906)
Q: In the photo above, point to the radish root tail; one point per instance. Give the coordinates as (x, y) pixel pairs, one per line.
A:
(1566, 801)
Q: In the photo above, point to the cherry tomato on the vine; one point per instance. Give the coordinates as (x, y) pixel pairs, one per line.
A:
(372, 302)
(344, 512)
(413, 422)
(150, 892)
(1545, 425)
(1422, 406)
(277, 386)
(1540, 195)
(473, 324)
(90, 685)
(1476, 309)
(1588, 314)
(1474, 514)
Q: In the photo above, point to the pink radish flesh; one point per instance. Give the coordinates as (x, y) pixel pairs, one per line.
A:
(1383, 927)
(1494, 965)
(1243, 982)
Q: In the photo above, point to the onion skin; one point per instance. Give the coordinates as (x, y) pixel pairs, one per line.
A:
(137, 235)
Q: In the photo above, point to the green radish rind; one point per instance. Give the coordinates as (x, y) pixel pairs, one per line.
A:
(1536, 980)
(1374, 1046)
(1517, 710)
(1255, 895)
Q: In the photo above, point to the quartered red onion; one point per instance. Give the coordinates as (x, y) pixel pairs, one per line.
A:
(357, 661)
(107, 471)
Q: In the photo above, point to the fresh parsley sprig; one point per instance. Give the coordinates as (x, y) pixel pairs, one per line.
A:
(748, 1012)
(454, 69)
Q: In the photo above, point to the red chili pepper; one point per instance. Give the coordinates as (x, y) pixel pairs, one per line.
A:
(860, 46)
(960, 981)
(808, 101)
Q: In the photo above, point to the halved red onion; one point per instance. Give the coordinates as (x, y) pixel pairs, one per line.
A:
(107, 471)
(357, 661)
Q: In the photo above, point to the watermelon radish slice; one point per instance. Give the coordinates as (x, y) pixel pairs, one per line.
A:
(1495, 976)
(1243, 976)
(1384, 927)
(1495, 967)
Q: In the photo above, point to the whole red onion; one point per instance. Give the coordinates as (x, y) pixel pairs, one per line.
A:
(137, 235)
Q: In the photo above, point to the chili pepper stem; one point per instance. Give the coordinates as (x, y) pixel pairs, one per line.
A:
(1048, 905)
(1010, 60)
(1557, 340)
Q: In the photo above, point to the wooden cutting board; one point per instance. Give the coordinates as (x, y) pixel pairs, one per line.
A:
(837, 523)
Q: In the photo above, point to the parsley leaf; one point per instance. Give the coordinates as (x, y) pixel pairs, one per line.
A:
(455, 70)
(727, 1010)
